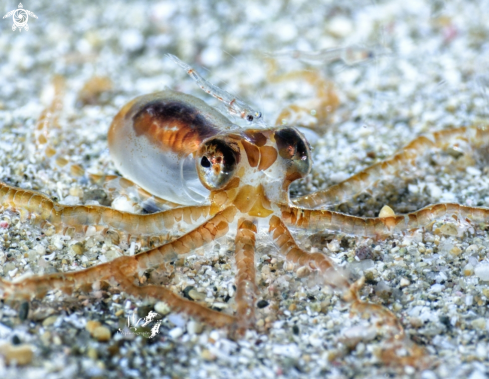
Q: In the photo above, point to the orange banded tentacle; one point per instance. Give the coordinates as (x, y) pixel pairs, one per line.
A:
(316, 220)
(39, 285)
(387, 322)
(80, 217)
(362, 307)
(48, 120)
(209, 231)
(245, 277)
(294, 254)
(317, 261)
(372, 175)
(36, 285)
(176, 303)
(397, 341)
(49, 116)
(311, 113)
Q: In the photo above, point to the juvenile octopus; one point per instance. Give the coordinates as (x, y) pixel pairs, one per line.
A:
(219, 178)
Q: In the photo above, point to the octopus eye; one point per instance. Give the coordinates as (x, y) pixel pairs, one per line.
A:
(295, 150)
(216, 163)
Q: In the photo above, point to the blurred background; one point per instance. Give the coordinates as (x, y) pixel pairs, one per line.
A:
(232, 46)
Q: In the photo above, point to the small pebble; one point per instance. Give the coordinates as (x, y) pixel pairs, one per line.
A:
(76, 191)
(334, 246)
(303, 272)
(207, 355)
(24, 311)
(482, 271)
(162, 308)
(473, 171)
(231, 290)
(195, 295)
(295, 330)
(122, 203)
(101, 333)
(131, 39)
(77, 248)
(46, 338)
(339, 26)
(262, 304)
(416, 322)
(16, 340)
(364, 252)
(449, 229)
(194, 327)
(92, 325)
(289, 266)
(396, 307)
(92, 353)
(409, 370)
(177, 319)
(386, 211)
(20, 354)
(479, 323)
(120, 312)
(186, 291)
(175, 332)
(315, 306)
(49, 321)
(437, 288)
(455, 251)
(404, 282)
(468, 270)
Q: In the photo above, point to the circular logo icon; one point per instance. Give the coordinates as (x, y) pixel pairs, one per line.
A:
(20, 18)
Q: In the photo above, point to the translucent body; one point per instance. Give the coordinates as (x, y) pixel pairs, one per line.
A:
(153, 138)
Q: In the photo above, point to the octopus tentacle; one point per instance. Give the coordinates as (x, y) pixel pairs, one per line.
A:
(37, 285)
(387, 322)
(245, 277)
(316, 220)
(48, 120)
(294, 254)
(332, 275)
(175, 302)
(34, 205)
(371, 176)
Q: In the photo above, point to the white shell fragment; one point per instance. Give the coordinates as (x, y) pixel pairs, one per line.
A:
(482, 271)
